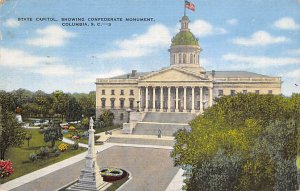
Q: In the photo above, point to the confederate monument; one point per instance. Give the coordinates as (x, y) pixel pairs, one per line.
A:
(90, 178)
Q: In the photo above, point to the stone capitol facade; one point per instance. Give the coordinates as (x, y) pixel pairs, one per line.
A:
(184, 86)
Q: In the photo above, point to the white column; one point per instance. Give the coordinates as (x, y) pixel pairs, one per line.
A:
(140, 94)
(176, 103)
(147, 106)
(210, 96)
(184, 97)
(153, 99)
(193, 100)
(201, 100)
(161, 98)
(169, 99)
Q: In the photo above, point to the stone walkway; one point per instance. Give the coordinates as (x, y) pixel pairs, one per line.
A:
(131, 157)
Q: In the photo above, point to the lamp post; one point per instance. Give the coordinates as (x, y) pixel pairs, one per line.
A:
(138, 106)
(128, 118)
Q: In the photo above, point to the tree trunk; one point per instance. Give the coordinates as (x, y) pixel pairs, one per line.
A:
(2, 154)
(52, 143)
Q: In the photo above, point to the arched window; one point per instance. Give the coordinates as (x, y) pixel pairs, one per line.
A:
(184, 58)
(191, 58)
(180, 58)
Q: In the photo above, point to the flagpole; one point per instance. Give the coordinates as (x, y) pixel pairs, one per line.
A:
(184, 7)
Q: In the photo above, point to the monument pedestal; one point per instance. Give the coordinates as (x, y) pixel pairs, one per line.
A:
(90, 178)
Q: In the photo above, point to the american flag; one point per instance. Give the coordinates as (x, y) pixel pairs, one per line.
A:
(189, 5)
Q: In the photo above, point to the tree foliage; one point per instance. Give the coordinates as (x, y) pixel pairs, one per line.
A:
(53, 134)
(11, 133)
(247, 127)
(107, 118)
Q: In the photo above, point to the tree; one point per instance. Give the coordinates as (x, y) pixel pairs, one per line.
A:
(53, 134)
(60, 101)
(107, 117)
(238, 126)
(73, 110)
(11, 132)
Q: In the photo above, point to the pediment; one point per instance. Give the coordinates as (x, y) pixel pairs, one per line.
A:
(173, 74)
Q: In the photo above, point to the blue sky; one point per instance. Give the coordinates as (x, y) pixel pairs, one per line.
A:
(252, 35)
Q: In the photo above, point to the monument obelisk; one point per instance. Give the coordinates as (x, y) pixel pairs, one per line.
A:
(90, 178)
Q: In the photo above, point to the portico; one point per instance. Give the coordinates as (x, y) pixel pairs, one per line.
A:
(177, 98)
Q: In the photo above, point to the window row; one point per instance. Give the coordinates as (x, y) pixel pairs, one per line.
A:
(122, 103)
(112, 92)
(233, 92)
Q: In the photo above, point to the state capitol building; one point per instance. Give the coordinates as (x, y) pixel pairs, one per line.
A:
(183, 86)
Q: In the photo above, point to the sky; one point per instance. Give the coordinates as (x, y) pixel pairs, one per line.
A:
(248, 35)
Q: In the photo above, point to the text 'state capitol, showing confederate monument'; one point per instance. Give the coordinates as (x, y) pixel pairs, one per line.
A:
(183, 87)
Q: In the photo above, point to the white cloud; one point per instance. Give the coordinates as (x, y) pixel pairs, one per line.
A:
(232, 21)
(157, 36)
(21, 60)
(246, 62)
(260, 38)
(295, 51)
(202, 28)
(17, 58)
(293, 74)
(51, 36)
(12, 23)
(91, 78)
(287, 23)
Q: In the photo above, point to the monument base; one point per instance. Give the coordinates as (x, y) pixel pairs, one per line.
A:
(89, 180)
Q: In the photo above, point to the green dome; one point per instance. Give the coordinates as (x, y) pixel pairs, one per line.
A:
(184, 38)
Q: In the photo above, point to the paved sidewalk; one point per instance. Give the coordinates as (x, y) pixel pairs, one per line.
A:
(177, 182)
(69, 141)
(63, 164)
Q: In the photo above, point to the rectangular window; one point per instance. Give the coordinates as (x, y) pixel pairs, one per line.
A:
(103, 92)
(131, 104)
(112, 103)
(122, 92)
(270, 92)
(221, 93)
(232, 92)
(131, 92)
(121, 103)
(103, 103)
(112, 92)
(244, 91)
(257, 91)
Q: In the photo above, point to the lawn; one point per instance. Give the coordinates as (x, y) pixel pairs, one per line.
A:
(19, 156)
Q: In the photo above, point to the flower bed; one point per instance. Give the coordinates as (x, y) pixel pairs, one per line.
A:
(5, 168)
(112, 174)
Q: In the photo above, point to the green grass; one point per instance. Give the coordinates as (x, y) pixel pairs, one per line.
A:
(298, 163)
(100, 130)
(19, 156)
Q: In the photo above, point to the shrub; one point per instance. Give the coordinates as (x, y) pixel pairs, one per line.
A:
(57, 153)
(44, 152)
(5, 168)
(75, 145)
(33, 157)
(72, 128)
(63, 147)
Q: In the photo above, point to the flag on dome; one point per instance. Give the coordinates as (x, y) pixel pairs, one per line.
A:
(189, 5)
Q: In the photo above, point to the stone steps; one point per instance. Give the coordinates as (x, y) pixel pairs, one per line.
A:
(153, 128)
(169, 117)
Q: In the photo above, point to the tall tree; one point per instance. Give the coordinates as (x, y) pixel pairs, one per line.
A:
(73, 110)
(60, 101)
(11, 133)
